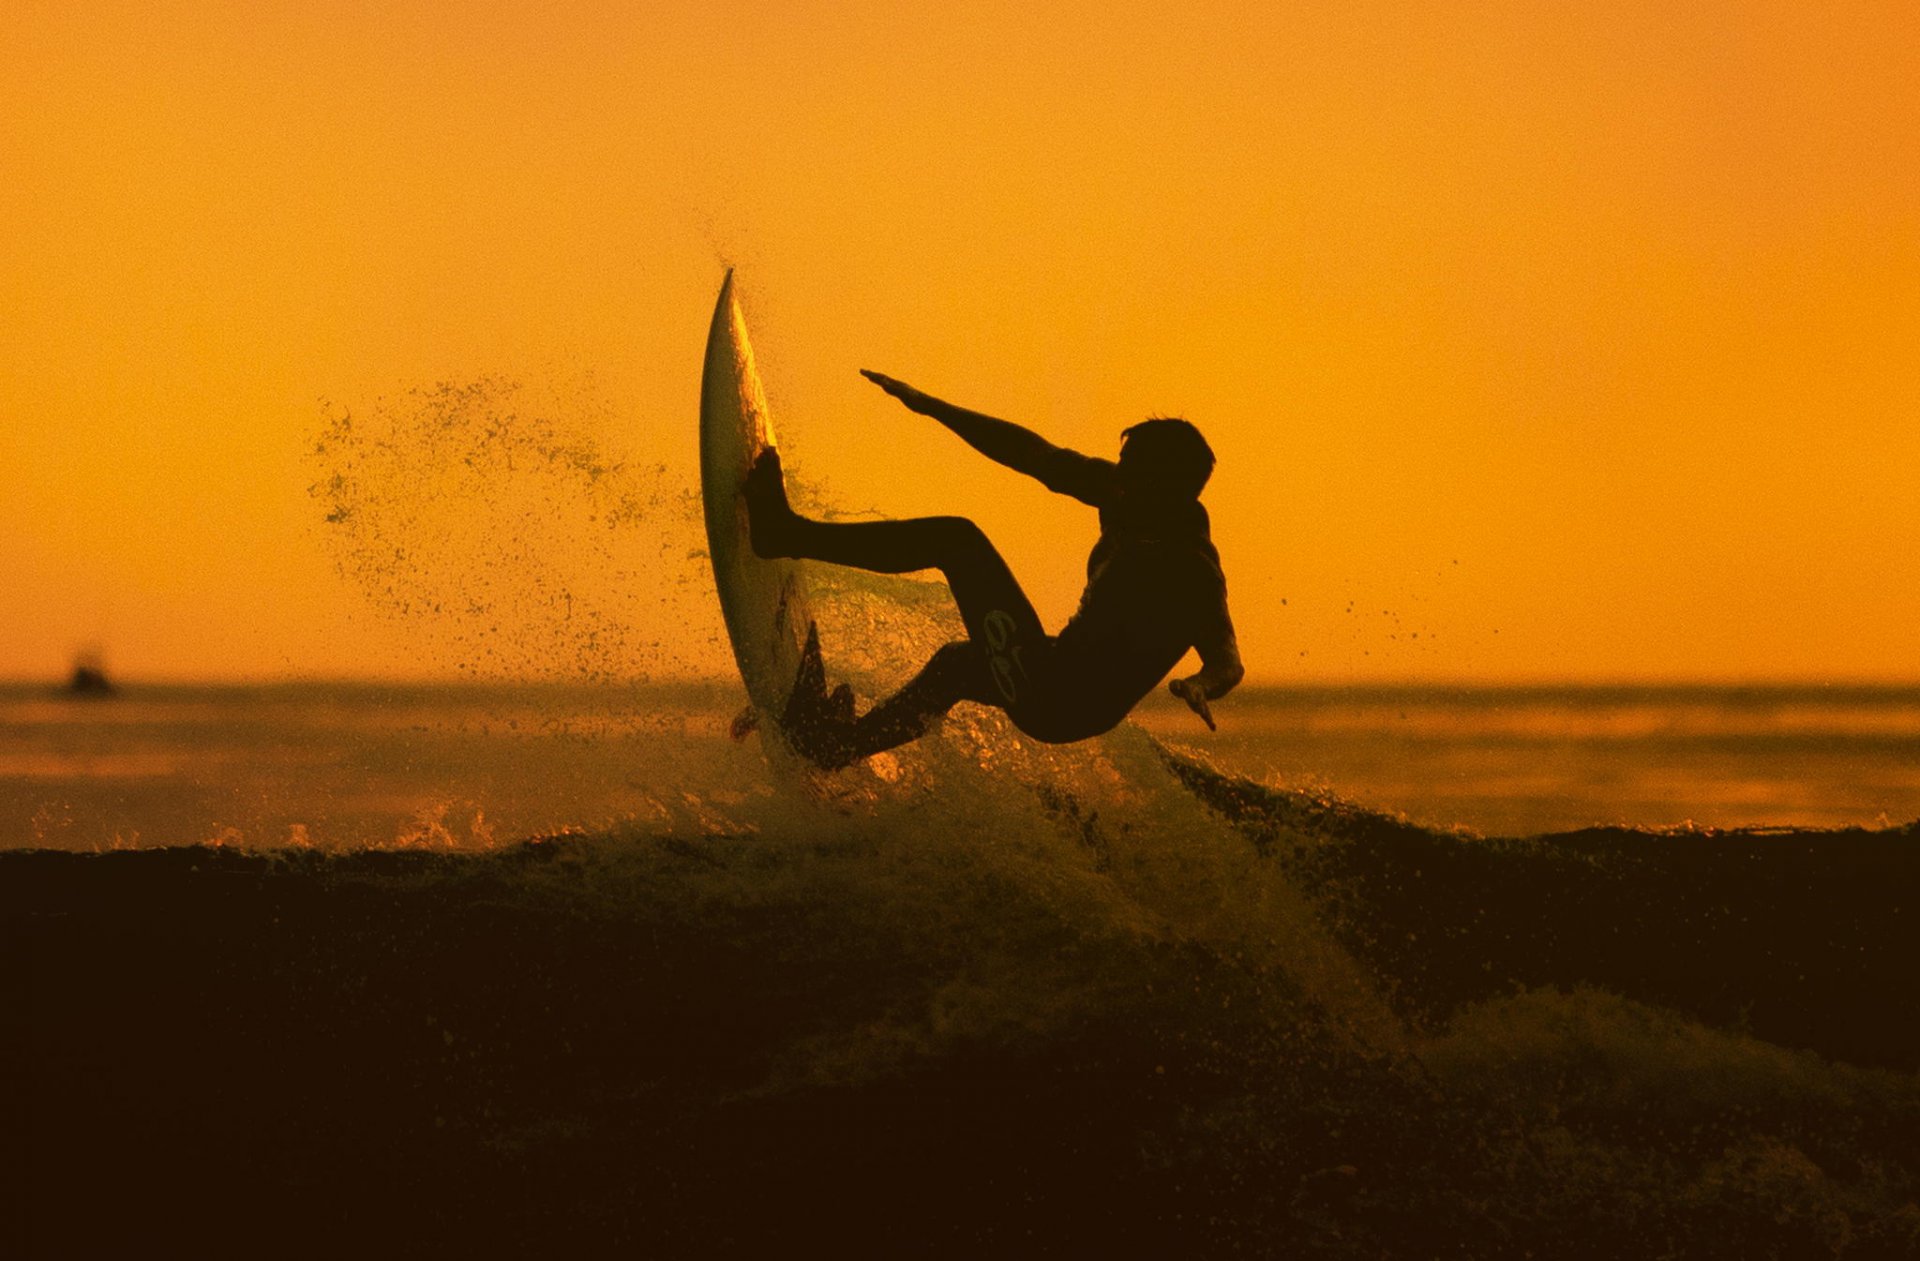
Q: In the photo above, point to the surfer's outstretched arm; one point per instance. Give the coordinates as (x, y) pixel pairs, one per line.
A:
(1059, 469)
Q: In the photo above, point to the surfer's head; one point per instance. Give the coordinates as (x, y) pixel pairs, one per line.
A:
(1165, 457)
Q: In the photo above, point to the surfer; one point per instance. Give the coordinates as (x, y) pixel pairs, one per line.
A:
(1154, 590)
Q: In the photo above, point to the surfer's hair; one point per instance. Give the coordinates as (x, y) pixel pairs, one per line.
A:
(1180, 458)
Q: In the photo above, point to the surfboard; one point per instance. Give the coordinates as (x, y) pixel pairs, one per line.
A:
(764, 602)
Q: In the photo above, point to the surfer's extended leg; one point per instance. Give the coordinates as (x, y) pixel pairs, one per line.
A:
(990, 599)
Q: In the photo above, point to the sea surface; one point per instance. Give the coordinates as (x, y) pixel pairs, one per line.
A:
(348, 765)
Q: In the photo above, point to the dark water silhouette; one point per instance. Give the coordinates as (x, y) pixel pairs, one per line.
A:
(1093, 1000)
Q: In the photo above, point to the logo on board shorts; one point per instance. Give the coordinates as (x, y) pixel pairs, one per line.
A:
(1003, 655)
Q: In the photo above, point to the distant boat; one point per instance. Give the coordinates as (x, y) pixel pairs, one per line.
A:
(90, 679)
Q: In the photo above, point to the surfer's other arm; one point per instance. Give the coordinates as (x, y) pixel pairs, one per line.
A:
(1220, 669)
(1059, 469)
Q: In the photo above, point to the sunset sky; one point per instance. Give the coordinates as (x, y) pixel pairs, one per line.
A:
(1536, 340)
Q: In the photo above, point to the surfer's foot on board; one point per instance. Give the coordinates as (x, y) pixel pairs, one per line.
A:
(770, 519)
(822, 740)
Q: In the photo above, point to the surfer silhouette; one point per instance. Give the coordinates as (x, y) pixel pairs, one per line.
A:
(1154, 590)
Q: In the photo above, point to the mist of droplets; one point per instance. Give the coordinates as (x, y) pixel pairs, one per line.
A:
(512, 532)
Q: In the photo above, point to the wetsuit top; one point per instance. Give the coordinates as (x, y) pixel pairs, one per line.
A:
(1154, 590)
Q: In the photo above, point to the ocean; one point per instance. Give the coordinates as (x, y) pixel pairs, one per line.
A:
(347, 765)
(553, 970)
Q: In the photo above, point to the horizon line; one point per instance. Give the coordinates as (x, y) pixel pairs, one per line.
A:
(1595, 682)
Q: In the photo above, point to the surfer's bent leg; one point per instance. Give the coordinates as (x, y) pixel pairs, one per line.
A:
(1005, 634)
(955, 673)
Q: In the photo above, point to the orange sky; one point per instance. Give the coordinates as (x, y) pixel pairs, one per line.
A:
(1577, 339)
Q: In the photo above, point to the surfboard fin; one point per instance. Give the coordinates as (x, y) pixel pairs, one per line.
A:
(817, 724)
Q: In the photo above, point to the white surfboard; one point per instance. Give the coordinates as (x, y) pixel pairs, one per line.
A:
(764, 601)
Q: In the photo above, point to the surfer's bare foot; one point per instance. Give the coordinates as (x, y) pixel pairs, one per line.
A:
(820, 728)
(770, 519)
(827, 745)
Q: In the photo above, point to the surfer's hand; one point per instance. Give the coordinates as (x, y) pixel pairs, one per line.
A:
(913, 398)
(1196, 698)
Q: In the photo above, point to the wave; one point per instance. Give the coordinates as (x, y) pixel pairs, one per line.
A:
(1799, 935)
